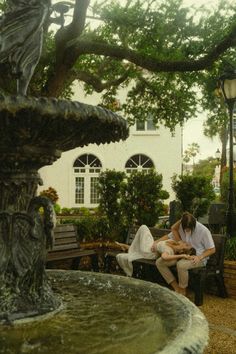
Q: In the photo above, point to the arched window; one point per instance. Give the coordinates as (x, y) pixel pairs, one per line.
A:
(139, 162)
(86, 171)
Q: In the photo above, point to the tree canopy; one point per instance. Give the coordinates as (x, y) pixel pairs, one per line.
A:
(191, 152)
(161, 51)
(205, 167)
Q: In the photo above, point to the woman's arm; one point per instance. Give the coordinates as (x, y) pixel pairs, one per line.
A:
(175, 230)
(123, 246)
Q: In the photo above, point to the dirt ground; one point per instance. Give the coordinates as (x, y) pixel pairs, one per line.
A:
(221, 316)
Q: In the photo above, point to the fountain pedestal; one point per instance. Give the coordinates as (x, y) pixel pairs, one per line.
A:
(34, 132)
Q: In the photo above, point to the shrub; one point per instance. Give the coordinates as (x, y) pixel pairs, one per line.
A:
(66, 211)
(109, 187)
(230, 249)
(142, 198)
(57, 208)
(224, 187)
(194, 192)
(92, 228)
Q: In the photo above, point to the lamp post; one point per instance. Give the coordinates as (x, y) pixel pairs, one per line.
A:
(218, 168)
(227, 85)
(218, 154)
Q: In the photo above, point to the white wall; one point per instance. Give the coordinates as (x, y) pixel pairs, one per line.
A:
(163, 148)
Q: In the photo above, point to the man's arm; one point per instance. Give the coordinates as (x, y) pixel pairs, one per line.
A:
(175, 230)
(206, 253)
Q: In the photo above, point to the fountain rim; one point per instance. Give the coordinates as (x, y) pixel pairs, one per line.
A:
(195, 332)
(192, 333)
(63, 108)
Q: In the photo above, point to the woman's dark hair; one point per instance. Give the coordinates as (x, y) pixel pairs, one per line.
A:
(188, 221)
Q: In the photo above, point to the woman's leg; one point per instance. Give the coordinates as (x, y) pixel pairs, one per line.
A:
(142, 243)
(124, 263)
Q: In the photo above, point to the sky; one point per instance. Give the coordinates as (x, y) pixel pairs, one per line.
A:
(193, 133)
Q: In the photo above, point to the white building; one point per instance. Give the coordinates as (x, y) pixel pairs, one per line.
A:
(74, 175)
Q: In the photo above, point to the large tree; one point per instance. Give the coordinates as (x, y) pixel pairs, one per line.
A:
(161, 51)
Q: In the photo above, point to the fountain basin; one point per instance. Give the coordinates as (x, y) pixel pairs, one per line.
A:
(111, 314)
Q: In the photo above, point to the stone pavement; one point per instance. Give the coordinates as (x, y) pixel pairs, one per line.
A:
(221, 316)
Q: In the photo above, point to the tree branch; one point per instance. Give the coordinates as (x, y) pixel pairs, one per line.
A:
(152, 64)
(79, 17)
(74, 29)
(95, 81)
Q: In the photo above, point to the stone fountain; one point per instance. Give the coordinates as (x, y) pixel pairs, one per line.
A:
(34, 132)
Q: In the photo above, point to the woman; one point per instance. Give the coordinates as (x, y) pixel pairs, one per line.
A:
(143, 246)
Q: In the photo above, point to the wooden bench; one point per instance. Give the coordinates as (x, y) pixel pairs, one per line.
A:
(66, 247)
(146, 268)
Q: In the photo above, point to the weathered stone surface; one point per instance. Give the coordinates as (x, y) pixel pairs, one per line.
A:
(34, 132)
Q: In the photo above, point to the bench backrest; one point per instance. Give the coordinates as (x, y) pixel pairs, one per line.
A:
(216, 261)
(65, 238)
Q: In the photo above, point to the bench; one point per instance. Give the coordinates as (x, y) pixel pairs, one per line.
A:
(110, 255)
(66, 247)
(146, 268)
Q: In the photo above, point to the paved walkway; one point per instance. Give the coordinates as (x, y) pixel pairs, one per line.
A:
(221, 316)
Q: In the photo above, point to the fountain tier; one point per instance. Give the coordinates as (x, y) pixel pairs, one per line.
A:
(34, 132)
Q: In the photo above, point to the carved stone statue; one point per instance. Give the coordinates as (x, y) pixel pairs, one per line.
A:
(21, 38)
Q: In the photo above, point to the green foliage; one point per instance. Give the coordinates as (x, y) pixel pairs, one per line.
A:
(224, 187)
(205, 167)
(81, 211)
(164, 31)
(230, 249)
(50, 193)
(143, 46)
(142, 198)
(94, 228)
(194, 192)
(66, 211)
(57, 208)
(109, 187)
(192, 151)
(138, 198)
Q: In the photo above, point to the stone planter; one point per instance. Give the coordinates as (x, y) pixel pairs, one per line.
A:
(230, 277)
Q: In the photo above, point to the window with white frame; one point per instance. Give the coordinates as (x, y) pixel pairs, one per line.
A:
(86, 173)
(139, 162)
(147, 125)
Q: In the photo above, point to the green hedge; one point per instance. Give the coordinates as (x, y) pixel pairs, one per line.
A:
(95, 227)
